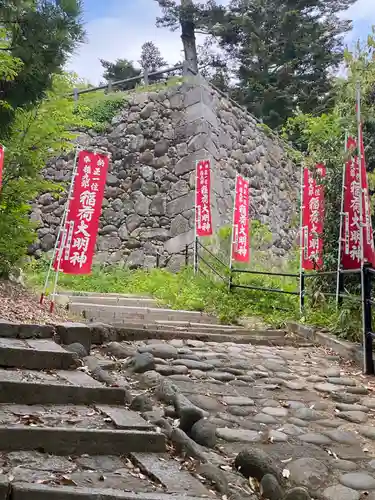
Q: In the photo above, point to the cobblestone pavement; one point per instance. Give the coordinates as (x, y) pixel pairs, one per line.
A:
(301, 414)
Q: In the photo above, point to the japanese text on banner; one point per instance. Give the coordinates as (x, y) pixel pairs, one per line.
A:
(351, 255)
(203, 218)
(81, 227)
(240, 230)
(1, 164)
(312, 218)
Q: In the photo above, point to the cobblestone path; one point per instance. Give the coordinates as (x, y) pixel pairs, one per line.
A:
(292, 420)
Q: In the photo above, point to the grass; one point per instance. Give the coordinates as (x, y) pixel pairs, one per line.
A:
(184, 290)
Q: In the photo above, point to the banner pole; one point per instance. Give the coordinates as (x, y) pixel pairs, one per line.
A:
(359, 149)
(338, 278)
(232, 236)
(301, 272)
(196, 221)
(62, 224)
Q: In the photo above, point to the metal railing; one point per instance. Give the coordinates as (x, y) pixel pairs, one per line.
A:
(145, 76)
(221, 270)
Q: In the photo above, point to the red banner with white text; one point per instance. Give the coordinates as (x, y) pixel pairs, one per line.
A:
(203, 217)
(78, 237)
(312, 218)
(1, 164)
(240, 230)
(368, 237)
(351, 254)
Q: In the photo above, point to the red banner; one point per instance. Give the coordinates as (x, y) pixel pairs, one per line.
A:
(79, 234)
(351, 227)
(240, 230)
(368, 238)
(1, 164)
(203, 218)
(312, 218)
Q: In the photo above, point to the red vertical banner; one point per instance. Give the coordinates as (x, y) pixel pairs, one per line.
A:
(368, 237)
(351, 255)
(312, 218)
(241, 226)
(203, 217)
(1, 164)
(78, 238)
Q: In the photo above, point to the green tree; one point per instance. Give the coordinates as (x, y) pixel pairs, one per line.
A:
(151, 60)
(37, 37)
(37, 134)
(121, 69)
(283, 51)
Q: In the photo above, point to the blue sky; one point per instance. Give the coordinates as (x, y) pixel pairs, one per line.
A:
(118, 28)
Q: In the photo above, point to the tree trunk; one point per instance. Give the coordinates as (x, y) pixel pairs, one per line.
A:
(188, 34)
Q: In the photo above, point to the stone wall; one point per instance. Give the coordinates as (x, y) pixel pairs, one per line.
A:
(149, 197)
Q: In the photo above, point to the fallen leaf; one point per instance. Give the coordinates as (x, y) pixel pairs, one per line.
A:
(286, 473)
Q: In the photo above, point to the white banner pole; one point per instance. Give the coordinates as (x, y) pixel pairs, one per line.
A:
(62, 225)
(341, 224)
(196, 221)
(359, 149)
(301, 280)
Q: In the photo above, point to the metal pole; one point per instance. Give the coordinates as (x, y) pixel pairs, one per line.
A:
(368, 340)
(301, 272)
(62, 225)
(366, 368)
(338, 279)
(195, 223)
(233, 235)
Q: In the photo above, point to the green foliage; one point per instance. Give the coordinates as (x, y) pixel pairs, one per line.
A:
(151, 58)
(36, 38)
(99, 108)
(36, 135)
(281, 52)
(121, 69)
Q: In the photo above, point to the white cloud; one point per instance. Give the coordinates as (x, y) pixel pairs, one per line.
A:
(121, 36)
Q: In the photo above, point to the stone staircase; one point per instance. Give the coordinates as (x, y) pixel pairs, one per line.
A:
(64, 435)
(141, 317)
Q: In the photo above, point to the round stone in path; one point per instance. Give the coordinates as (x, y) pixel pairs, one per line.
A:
(308, 472)
(357, 417)
(344, 465)
(342, 437)
(342, 381)
(264, 419)
(314, 438)
(275, 412)
(277, 436)
(308, 414)
(344, 397)
(358, 481)
(340, 492)
(369, 402)
(325, 387)
(291, 430)
(233, 435)
(368, 432)
(222, 376)
(164, 351)
(237, 401)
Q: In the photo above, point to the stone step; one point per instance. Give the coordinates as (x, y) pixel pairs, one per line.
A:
(124, 314)
(106, 299)
(149, 332)
(22, 491)
(60, 387)
(36, 476)
(39, 354)
(77, 430)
